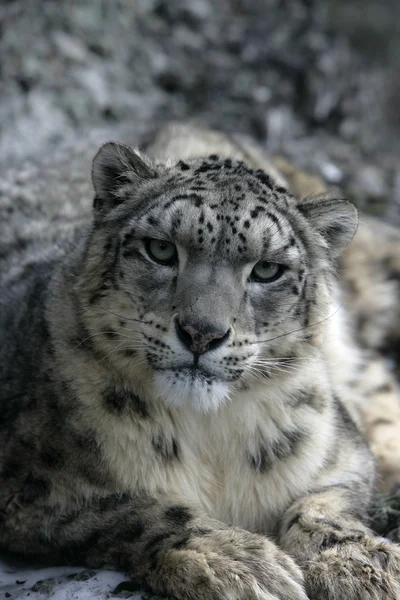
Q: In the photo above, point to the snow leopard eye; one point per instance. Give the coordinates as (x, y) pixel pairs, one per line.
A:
(161, 251)
(265, 272)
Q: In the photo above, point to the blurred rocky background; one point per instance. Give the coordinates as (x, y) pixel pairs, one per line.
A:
(315, 80)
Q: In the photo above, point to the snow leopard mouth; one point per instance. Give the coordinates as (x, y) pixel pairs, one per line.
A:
(196, 372)
(191, 385)
(191, 372)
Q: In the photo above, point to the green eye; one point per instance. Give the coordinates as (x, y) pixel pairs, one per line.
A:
(265, 271)
(161, 251)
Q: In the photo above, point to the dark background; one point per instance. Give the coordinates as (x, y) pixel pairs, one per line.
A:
(316, 80)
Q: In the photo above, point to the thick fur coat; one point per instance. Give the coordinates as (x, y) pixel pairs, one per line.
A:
(181, 394)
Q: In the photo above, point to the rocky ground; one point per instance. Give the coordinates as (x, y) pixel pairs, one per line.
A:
(317, 80)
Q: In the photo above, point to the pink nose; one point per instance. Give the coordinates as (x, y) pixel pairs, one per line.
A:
(200, 340)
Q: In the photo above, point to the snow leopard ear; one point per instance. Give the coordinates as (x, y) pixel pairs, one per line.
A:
(335, 219)
(114, 168)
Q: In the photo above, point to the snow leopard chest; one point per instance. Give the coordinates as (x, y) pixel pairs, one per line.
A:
(243, 465)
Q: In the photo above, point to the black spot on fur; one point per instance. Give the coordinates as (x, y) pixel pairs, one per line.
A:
(345, 421)
(128, 237)
(207, 167)
(179, 515)
(96, 297)
(138, 405)
(167, 448)
(281, 449)
(128, 532)
(119, 401)
(108, 245)
(52, 458)
(85, 440)
(332, 539)
(110, 334)
(114, 401)
(113, 501)
(311, 398)
(152, 221)
(11, 469)
(264, 178)
(97, 203)
(182, 542)
(130, 353)
(183, 166)
(274, 219)
(385, 388)
(157, 539)
(35, 488)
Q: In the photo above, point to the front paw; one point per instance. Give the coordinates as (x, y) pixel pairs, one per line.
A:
(366, 569)
(227, 564)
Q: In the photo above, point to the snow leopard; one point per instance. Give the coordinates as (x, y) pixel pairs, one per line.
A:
(181, 390)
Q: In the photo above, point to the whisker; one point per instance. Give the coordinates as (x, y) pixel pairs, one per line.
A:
(89, 337)
(122, 317)
(256, 374)
(281, 358)
(271, 367)
(300, 329)
(125, 318)
(113, 351)
(279, 367)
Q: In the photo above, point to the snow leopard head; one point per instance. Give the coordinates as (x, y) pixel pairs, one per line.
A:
(204, 276)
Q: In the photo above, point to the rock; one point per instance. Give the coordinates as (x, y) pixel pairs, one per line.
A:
(295, 75)
(71, 48)
(331, 173)
(44, 586)
(83, 576)
(371, 180)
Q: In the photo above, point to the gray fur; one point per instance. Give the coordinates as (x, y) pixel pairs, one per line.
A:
(120, 446)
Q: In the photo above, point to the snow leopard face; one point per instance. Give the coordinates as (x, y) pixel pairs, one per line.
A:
(205, 276)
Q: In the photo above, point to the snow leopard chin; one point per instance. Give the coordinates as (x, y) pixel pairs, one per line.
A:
(190, 388)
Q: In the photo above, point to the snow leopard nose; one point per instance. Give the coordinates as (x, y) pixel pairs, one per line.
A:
(200, 339)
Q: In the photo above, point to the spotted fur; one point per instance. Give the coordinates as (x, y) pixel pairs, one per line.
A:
(216, 460)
